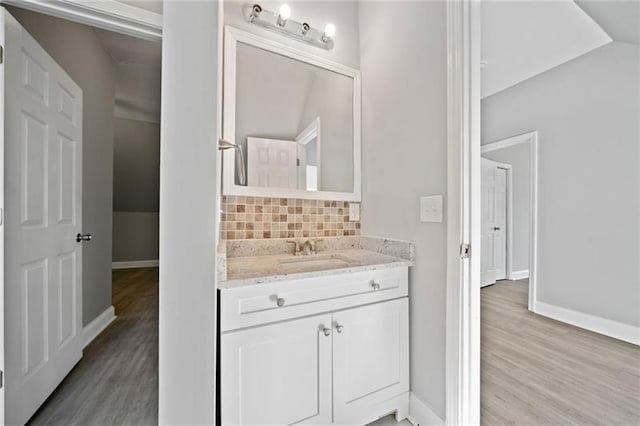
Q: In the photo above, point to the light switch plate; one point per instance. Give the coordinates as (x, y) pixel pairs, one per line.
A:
(431, 208)
(354, 212)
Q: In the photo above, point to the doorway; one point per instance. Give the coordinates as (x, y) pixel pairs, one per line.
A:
(496, 207)
(63, 90)
(513, 160)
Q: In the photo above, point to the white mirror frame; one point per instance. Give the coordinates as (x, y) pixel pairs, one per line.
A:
(231, 38)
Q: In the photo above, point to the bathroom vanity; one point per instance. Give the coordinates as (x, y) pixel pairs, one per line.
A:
(318, 339)
(321, 337)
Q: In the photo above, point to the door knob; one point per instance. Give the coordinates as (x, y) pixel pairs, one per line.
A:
(375, 286)
(339, 328)
(326, 331)
(280, 302)
(83, 237)
(496, 228)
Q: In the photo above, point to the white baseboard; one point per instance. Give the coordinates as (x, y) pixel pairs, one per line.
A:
(95, 327)
(608, 327)
(135, 264)
(519, 275)
(420, 414)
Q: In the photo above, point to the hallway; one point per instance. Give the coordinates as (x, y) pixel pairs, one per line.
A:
(539, 371)
(116, 382)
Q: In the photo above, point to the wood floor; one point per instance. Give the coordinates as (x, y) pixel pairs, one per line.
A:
(116, 382)
(537, 371)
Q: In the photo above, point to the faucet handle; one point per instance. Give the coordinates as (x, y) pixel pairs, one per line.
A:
(314, 244)
(296, 245)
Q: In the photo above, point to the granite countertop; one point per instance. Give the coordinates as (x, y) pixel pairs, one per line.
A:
(248, 262)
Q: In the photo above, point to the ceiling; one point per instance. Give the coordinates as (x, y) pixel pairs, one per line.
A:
(138, 78)
(523, 39)
(620, 19)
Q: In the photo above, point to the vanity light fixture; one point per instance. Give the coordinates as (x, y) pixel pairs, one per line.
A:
(329, 32)
(283, 15)
(280, 22)
(256, 10)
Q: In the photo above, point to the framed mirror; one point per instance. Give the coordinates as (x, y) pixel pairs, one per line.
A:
(296, 118)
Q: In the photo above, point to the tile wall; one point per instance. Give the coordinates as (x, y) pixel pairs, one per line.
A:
(261, 218)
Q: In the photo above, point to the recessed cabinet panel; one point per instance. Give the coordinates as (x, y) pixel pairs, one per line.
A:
(278, 374)
(370, 358)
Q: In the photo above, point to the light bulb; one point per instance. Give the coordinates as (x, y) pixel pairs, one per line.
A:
(285, 11)
(330, 30)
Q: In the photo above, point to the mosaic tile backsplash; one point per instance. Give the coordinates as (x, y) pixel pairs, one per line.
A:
(262, 218)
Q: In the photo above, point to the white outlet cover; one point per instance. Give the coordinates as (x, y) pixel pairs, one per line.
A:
(431, 208)
(354, 211)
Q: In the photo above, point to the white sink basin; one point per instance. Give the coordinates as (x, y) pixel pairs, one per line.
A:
(312, 262)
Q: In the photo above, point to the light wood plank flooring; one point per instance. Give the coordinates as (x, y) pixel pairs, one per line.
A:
(537, 371)
(116, 382)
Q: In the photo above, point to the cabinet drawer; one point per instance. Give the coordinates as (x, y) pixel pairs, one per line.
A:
(252, 305)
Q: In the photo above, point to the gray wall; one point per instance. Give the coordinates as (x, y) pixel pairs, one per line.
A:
(77, 49)
(136, 190)
(404, 80)
(518, 157)
(586, 112)
(189, 182)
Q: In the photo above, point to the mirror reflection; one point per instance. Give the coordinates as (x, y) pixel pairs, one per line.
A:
(294, 122)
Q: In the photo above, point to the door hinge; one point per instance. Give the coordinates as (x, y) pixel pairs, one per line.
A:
(1, 54)
(298, 162)
(1, 379)
(465, 251)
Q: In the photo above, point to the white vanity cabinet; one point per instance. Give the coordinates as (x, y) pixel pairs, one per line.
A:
(347, 365)
(277, 374)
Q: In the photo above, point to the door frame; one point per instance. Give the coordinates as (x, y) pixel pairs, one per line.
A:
(106, 14)
(463, 213)
(532, 139)
(508, 214)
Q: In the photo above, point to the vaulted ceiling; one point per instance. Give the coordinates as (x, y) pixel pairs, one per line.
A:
(619, 19)
(521, 39)
(138, 78)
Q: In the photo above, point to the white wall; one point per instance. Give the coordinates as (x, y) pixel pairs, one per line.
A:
(404, 65)
(586, 113)
(189, 181)
(78, 50)
(518, 157)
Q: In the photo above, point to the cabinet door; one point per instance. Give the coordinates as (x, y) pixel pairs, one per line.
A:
(277, 374)
(370, 358)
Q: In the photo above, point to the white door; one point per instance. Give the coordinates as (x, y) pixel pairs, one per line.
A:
(370, 359)
(278, 374)
(494, 223)
(43, 187)
(272, 163)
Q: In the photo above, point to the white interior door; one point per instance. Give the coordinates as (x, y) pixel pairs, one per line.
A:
(43, 194)
(272, 163)
(278, 374)
(494, 223)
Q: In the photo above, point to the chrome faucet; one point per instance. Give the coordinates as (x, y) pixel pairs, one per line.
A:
(307, 248)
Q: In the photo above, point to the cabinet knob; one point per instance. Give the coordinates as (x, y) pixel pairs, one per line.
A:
(375, 286)
(326, 331)
(339, 328)
(280, 302)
